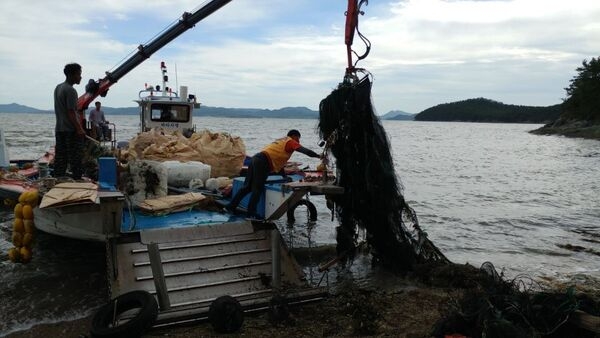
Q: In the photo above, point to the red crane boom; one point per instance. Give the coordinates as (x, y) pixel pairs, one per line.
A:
(100, 88)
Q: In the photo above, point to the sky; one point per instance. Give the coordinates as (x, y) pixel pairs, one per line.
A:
(280, 53)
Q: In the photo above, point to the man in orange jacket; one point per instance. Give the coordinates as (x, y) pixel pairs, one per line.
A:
(271, 158)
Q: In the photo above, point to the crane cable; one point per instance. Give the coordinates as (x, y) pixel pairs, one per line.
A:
(354, 9)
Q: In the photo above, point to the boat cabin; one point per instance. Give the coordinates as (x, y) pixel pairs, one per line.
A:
(167, 110)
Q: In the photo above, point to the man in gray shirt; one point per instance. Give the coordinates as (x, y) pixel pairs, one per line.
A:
(99, 123)
(69, 131)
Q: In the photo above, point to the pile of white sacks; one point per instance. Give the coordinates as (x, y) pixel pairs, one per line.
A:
(159, 159)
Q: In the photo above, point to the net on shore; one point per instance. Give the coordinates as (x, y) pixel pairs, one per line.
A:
(372, 198)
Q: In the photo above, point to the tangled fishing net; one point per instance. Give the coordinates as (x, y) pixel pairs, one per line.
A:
(372, 201)
(493, 306)
(372, 198)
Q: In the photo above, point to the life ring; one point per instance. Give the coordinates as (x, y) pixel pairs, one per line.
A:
(312, 210)
(102, 323)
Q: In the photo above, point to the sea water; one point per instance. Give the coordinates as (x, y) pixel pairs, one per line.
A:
(482, 192)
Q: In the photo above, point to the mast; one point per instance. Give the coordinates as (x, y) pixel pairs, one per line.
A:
(94, 89)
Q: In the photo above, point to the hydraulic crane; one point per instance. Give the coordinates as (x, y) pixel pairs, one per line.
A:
(94, 89)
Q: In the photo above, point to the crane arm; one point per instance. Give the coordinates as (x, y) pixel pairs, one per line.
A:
(352, 26)
(100, 88)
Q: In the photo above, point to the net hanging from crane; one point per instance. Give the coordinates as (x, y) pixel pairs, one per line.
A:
(372, 198)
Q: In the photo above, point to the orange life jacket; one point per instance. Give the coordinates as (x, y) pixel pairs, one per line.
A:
(276, 153)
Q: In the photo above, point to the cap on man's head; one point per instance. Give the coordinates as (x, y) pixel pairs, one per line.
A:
(293, 132)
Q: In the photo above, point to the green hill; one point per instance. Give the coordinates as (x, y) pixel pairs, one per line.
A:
(580, 111)
(486, 110)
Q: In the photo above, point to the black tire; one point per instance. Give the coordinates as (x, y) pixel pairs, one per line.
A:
(312, 210)
(226, 314)
(278, 309)
(140, 323)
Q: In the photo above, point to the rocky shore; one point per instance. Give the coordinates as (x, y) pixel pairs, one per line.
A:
(571, 128)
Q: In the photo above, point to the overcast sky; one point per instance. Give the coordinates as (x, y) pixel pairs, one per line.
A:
(279, 53)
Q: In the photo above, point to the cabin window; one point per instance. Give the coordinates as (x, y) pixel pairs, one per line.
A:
(168, 113)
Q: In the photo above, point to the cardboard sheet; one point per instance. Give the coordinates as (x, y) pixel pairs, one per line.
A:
(171, 203)
(70, 193)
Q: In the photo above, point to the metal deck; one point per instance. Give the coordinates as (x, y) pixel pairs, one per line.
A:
(186, 268)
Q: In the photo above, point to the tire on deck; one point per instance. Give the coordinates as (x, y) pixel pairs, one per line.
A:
(312, 210)
(136, 326)
(226, 314)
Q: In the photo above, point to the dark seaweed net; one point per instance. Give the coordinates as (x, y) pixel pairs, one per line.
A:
(495, 307)
(372, 198)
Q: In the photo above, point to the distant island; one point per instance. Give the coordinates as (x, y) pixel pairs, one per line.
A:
(472, 110)
(486, 110)
(286, 112)
(398, 115)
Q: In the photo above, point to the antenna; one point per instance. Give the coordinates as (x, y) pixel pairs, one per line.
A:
(176, 79)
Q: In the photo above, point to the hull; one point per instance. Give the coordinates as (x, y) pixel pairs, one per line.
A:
(12, 189)
(82, 222)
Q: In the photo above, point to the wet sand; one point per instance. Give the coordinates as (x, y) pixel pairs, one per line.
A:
(398, 307)
(408, 311)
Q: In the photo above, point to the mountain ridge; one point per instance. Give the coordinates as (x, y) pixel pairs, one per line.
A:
(470, 110)
(285, 112)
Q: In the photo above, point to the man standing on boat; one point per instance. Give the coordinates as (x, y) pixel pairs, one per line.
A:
(271, 158)
(99, 123)
(69, 131)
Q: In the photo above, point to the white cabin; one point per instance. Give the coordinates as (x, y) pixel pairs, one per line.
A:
(165, 108)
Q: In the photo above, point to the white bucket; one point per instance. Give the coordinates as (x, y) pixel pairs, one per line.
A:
(43, 169)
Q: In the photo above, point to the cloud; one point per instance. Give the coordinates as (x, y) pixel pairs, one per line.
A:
(270, 54)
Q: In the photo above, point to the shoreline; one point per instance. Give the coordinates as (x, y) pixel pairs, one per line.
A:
(391, 305)
(574, 129)
(361, 312)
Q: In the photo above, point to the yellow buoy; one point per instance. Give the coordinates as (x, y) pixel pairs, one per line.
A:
(27, 212)
(25, 254)
(18, 210)
(17, 238)
(28, 226)
(31, 197)
(28, 239)
(18, 225)
(14, 254)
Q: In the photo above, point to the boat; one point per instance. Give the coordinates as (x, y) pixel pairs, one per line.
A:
(176, 254)
(180, 247)
(19, 175)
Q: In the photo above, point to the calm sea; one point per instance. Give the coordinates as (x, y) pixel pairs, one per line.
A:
(483, 192)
